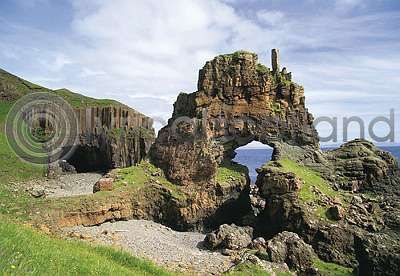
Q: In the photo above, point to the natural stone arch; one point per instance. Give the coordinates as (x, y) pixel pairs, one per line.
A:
(238, 101)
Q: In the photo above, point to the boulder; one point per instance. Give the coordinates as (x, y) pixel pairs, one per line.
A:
(336, 212)
(289, 248)
(230, 237)
(103, 184)
(37, 191)
(271, 181)
(258, 243)
(66, 167)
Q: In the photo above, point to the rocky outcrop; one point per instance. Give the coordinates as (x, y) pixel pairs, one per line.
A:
(378, 254)
(360, 166)
(111, 137)
(238, 101)
(323, 208)
(271, 181)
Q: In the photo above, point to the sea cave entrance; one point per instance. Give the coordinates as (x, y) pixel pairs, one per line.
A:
(253, 156)
(89, 159)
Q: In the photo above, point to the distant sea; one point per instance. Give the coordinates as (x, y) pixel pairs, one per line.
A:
(255, 158)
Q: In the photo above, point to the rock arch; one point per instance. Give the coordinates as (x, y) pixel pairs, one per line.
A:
(237, 101)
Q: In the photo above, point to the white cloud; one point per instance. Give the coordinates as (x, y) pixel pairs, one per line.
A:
(270, 17)
(144, 53)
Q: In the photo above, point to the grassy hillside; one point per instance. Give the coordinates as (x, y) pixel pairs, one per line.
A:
(26, 251)
(16, 87)
(13, 201)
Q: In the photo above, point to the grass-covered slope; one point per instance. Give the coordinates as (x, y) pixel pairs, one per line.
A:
(311, 181)
(14, 87)
(26, 251)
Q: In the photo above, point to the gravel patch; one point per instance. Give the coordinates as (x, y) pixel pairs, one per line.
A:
(180, 251)
(66, 185)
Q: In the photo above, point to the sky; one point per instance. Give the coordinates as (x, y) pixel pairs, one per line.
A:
(144, 53)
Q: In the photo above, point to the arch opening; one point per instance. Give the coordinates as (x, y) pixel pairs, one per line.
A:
(253, 155)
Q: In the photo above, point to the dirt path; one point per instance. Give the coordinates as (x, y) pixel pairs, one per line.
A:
(174, 250)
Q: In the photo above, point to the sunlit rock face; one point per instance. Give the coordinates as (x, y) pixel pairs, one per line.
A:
(238, 101)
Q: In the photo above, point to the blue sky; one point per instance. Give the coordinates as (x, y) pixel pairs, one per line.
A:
(143, 53)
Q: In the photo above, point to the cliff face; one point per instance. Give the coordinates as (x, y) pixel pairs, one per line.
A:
(111, 137)
(238, 101)
(110, 134)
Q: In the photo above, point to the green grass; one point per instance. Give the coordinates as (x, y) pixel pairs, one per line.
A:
(80, 101)
(227, 173)
(14, 170)
(275, 108)
(262, 69)
(310, 178)
(248, 269)
(26, 251)
(332, 269)
(19, 87)
(145, 172)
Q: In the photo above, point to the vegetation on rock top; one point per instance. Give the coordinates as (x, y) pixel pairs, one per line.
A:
(80, 101)
(232, 172)
(144, 173)
(311, 180)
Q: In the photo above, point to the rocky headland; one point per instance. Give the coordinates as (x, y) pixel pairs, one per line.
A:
(310, 211)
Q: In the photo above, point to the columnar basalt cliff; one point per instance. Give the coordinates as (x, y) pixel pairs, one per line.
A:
(238, 101)
(111, 137)
(111, 134)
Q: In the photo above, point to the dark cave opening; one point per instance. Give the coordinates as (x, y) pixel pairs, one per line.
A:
(89, 159)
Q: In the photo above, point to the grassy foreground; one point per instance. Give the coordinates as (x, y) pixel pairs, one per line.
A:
(25, 251)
